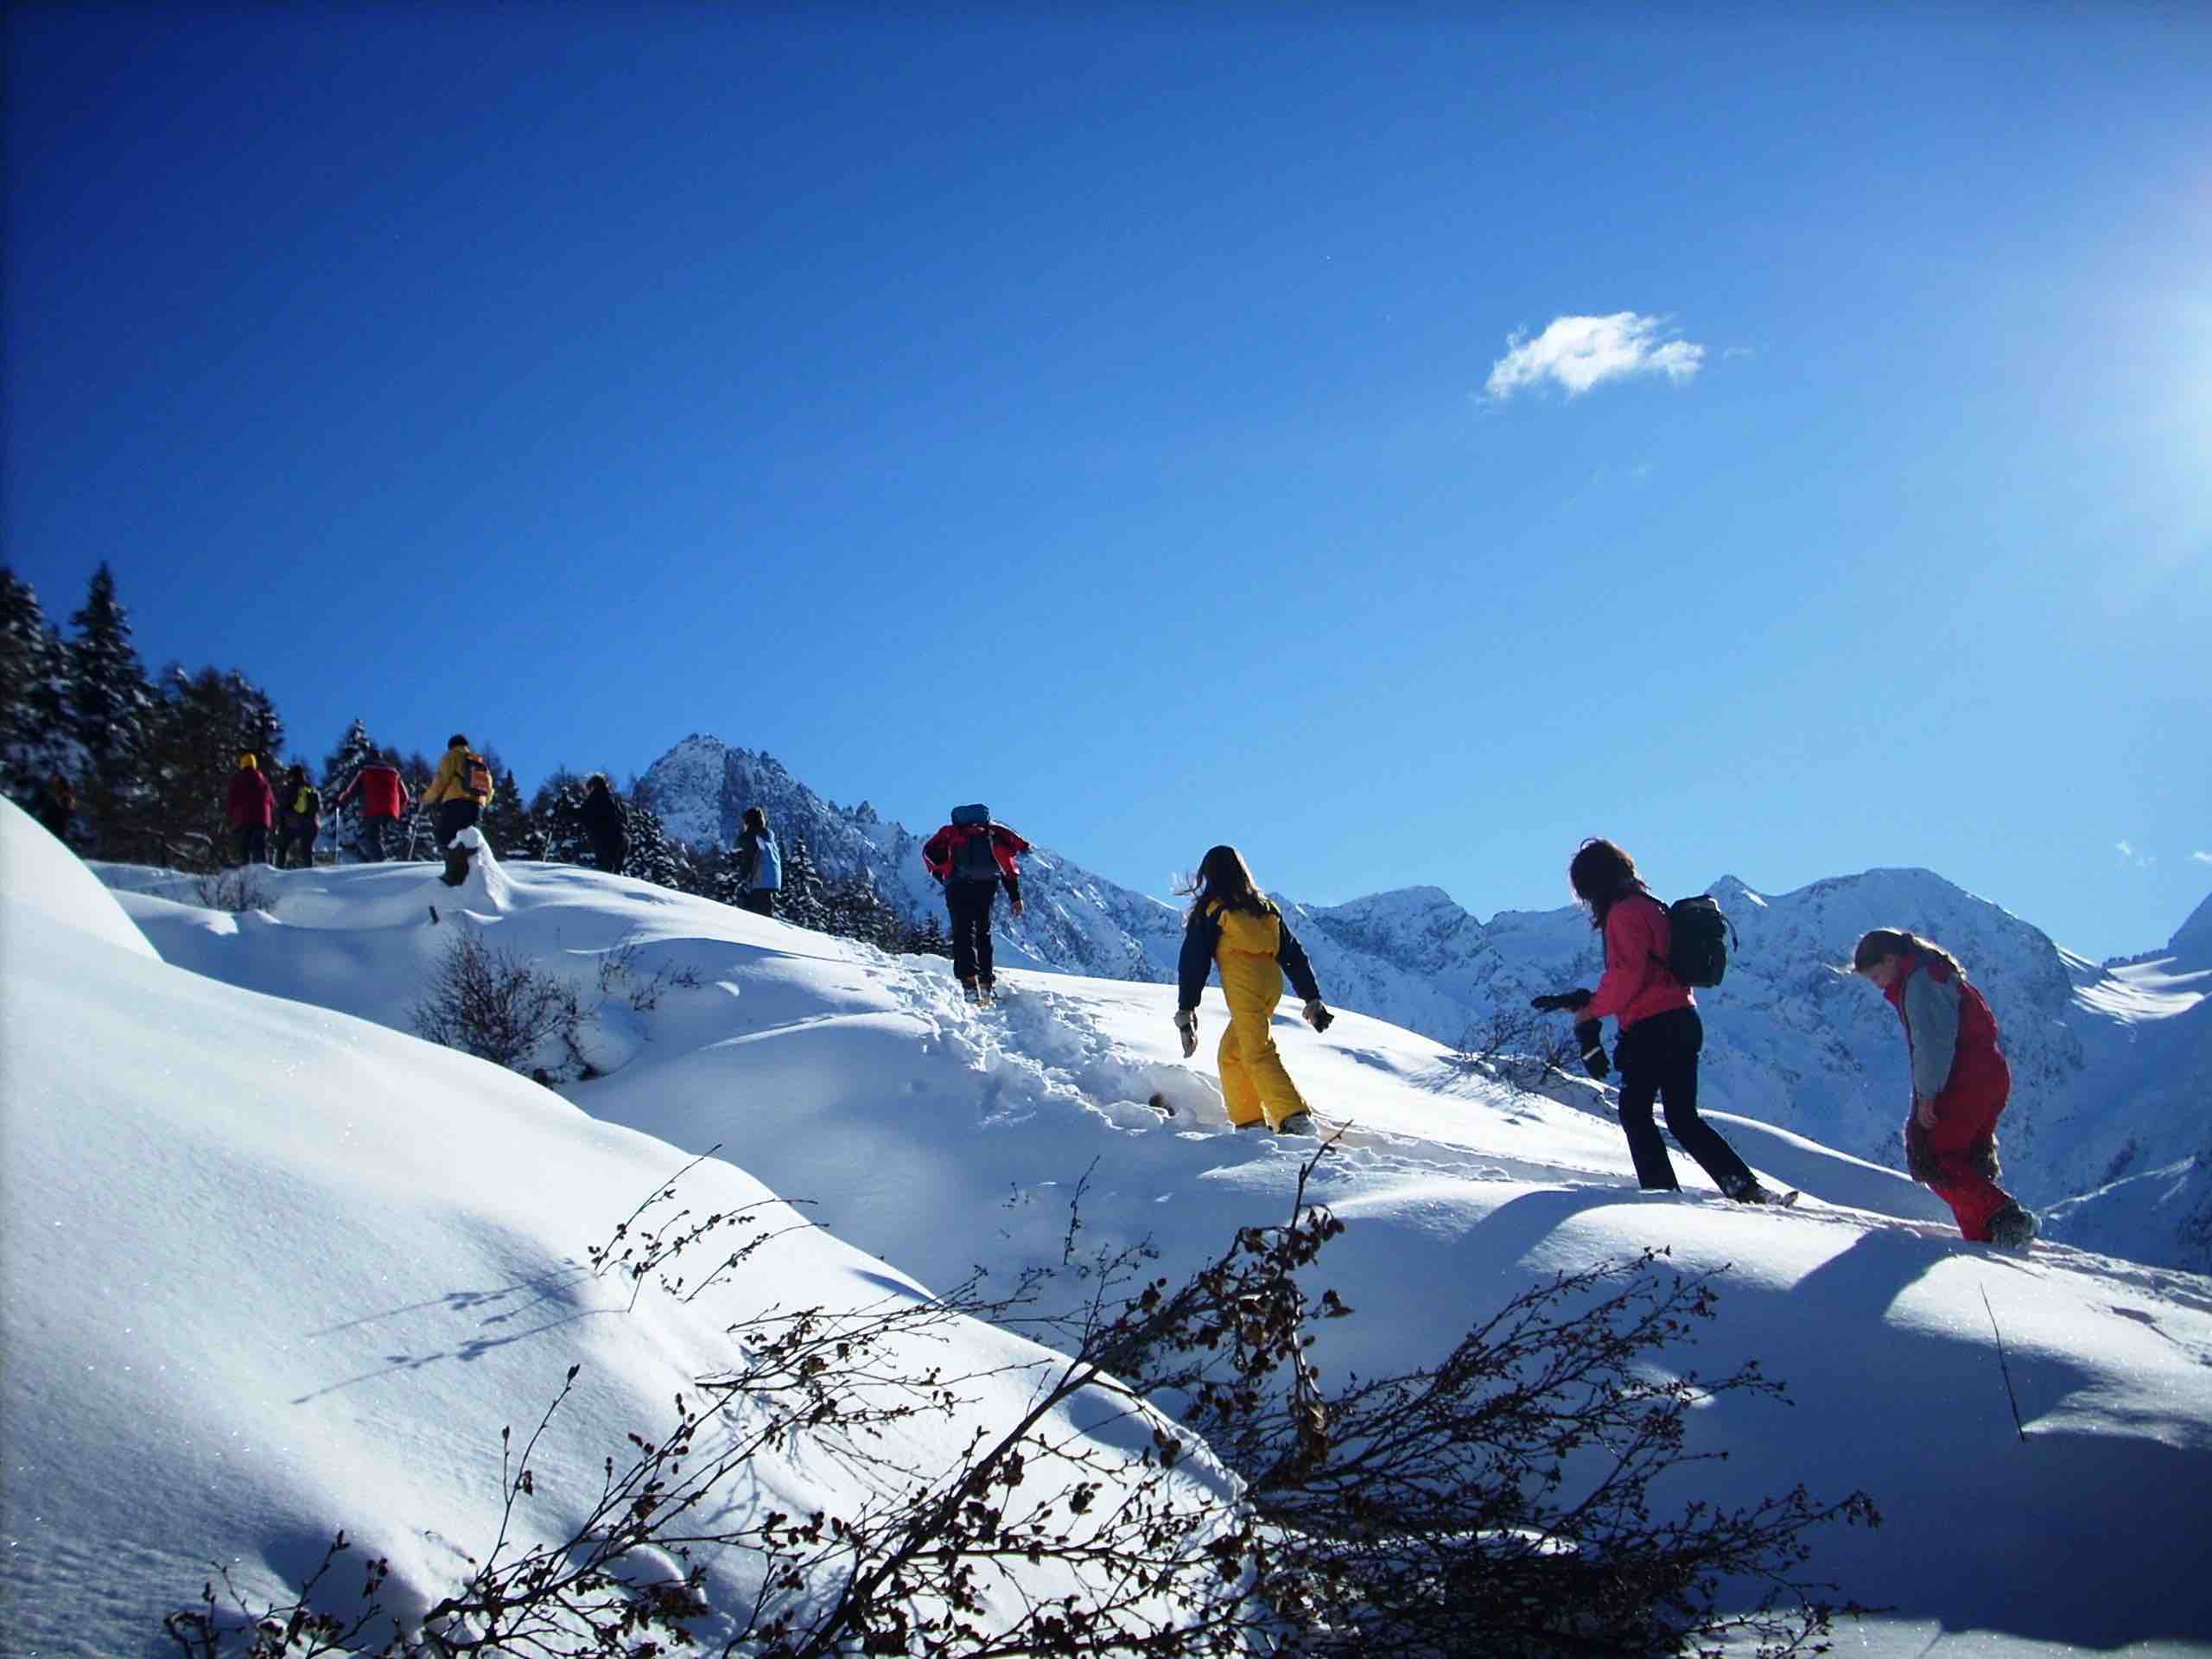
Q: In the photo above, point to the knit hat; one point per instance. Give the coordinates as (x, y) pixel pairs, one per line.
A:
(247, 759)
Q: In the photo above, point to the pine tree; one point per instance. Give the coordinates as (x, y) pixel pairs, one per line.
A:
(506, 822)
(110, 702)
(192, 738)
(927, 940)
(35, 732)
(801, 900)
(653, 857)
(557, 810)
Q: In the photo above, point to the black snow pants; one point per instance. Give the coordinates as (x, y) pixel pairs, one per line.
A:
(1658, 1060)
(969, 904)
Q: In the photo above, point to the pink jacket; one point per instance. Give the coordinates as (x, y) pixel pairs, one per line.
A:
(1637, 984)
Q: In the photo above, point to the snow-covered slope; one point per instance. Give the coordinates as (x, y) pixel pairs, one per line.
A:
(271, 1271)
(2113, 1068)
(937, 1138)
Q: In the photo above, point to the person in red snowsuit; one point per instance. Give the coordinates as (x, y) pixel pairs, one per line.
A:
(250, 807)
(1959, 1081)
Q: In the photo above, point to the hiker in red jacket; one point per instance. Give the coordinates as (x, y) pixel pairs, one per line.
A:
(1660, 1033)
(1959, 1081)
(384, 803)
(972, 857)
(251, 806)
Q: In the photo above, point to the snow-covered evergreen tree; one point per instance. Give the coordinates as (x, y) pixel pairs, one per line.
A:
(558, 812)
(653, 856)
(193, 737)
(801, 901)
(507, 823)
(34, 734)
(110, 703)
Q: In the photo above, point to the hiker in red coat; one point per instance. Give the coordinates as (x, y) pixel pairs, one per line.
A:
(1959, 1081)
(973, 856)
(384, 803)
(251, 806)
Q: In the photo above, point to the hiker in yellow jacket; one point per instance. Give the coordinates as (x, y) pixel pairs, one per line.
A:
(1234, 924)
(460, 791)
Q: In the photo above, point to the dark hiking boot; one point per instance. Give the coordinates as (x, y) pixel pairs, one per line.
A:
(456, 867)
(1751, 1191)
(2012, 1228)
(969, 989)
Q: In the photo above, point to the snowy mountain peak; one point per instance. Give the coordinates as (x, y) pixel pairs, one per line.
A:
(1732, 890)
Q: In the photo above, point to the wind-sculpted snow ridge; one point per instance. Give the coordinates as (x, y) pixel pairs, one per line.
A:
(939, 1138)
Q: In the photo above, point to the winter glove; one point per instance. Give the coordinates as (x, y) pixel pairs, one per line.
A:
(1186, 1022)
(1590, 1035)
(1919, 1161)
(1571, 1002)
(1317, 1016)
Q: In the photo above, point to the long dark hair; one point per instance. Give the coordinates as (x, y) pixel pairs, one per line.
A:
(1602, 874)
(1224, 878)
(756, 819)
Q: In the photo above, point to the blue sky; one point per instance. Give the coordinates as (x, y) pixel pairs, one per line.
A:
(1157, 426)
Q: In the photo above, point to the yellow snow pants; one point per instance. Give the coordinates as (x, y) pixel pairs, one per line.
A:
(1254, 1084)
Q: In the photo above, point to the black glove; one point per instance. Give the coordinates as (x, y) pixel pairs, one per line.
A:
(1571, 1002)
(1591, 1034)
(1318, 1017)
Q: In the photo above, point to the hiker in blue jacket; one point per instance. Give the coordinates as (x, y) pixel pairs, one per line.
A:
(759, 864)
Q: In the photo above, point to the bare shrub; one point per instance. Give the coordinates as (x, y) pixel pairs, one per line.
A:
(1499, 1501)
(620, 976)
(1517, 1046)
(489, 1002)
(240, 890)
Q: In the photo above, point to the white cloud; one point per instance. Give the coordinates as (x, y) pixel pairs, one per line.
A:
(1580, 352)
(2201, 858)
(2130, 858)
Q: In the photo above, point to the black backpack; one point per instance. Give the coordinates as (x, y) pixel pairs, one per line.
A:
(1699, 933)
(973, 858)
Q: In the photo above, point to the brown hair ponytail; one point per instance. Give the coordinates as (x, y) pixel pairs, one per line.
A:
(1883, 942)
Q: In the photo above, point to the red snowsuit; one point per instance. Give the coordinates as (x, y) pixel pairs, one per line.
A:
(1957, 1066)
(250, 802)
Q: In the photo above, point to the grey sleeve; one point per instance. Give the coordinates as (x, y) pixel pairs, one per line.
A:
(1931, 1018)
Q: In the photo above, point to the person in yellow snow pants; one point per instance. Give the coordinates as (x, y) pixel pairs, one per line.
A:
(1233, 925)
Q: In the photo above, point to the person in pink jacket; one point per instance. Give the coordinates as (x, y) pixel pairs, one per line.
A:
(1660, 1034)
(1959, 1081)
